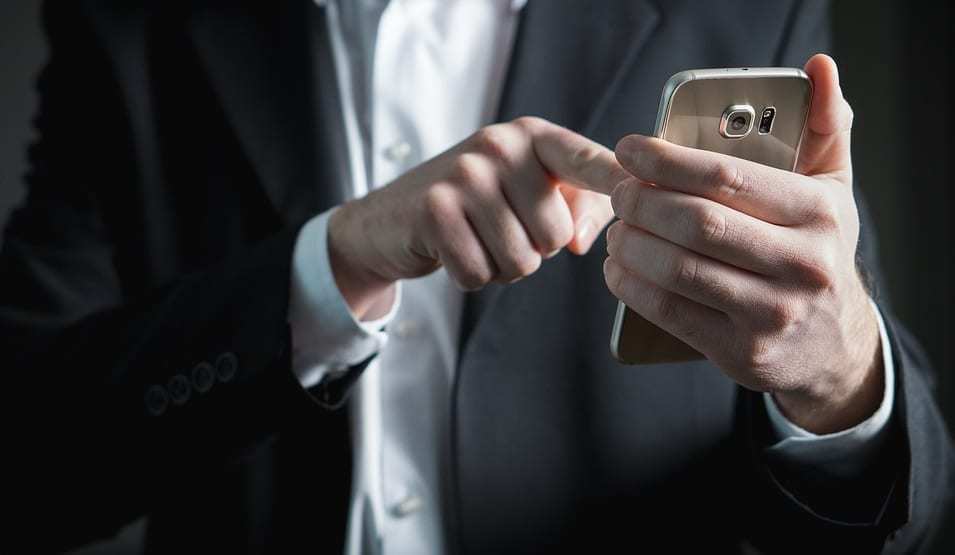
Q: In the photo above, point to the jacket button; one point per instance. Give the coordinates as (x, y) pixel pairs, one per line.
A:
(179, 389)
(156, 400)
(203, 377)
(226, 366)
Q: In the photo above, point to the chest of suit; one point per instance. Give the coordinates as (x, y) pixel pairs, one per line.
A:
(234, 124)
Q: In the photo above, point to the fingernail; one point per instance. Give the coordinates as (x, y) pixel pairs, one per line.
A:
(631, 146)
(552, 253)
(583, 234)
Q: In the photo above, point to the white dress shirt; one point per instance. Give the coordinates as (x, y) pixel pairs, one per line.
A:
(432, 77)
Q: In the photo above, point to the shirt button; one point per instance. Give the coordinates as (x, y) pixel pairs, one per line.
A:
(179, 389)
(398, 152)
(408, 505)
(406, 328)
(226, 366)
(203, 376)
(156, 400)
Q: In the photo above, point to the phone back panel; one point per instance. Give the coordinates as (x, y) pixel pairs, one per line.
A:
(691, 109)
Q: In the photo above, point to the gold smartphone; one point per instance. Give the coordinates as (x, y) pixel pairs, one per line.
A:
(754, 113)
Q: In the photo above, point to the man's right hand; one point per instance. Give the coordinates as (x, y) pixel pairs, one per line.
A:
(487, 210)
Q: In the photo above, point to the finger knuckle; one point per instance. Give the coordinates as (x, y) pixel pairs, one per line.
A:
(470, 282)
(822, 210)
(526, 263)
(684, 273)
(727, 178)
(469, 170)
(528, 123)
(439, 205)
(583, 157)
(757, 355)
(557, 232)
(666, 307)
(492, 141)
(780, 315)
(474, 276)
(669, 309)
(817, 269)
(709, 227)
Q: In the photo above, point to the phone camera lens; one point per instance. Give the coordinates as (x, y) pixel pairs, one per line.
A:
(737, 121)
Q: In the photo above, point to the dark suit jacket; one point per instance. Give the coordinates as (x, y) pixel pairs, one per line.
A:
(180, 147)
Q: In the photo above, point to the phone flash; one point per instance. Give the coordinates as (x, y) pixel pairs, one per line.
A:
(766, 122)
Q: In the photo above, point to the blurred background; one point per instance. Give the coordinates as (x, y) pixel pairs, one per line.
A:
(896, 63)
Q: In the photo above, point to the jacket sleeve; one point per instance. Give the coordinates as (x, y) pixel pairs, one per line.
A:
(897, 504)
(114, 393)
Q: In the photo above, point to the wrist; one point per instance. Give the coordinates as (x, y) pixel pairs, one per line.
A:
(367, 294)
(851, 392)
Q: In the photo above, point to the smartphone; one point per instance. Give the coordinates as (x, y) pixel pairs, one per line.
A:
(754, 113)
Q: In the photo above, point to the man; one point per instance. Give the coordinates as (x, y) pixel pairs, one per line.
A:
(218, 339)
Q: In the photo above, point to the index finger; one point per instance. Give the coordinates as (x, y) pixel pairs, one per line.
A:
(770, 194)
(573, 158)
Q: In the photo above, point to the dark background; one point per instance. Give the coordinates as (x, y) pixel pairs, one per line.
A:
(896, 64)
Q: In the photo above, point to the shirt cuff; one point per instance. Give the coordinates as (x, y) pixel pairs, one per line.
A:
(326, 336)
(843, 453)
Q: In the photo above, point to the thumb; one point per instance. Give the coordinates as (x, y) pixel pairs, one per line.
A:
(590, 211)
(826, 144)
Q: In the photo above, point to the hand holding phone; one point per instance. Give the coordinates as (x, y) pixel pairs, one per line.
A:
(747, 263)
(757, 114)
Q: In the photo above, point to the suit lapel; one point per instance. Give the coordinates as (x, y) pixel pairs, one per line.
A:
(270, 64)
(568, 60)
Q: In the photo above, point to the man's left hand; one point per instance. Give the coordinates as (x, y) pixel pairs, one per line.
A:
(755, 267)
